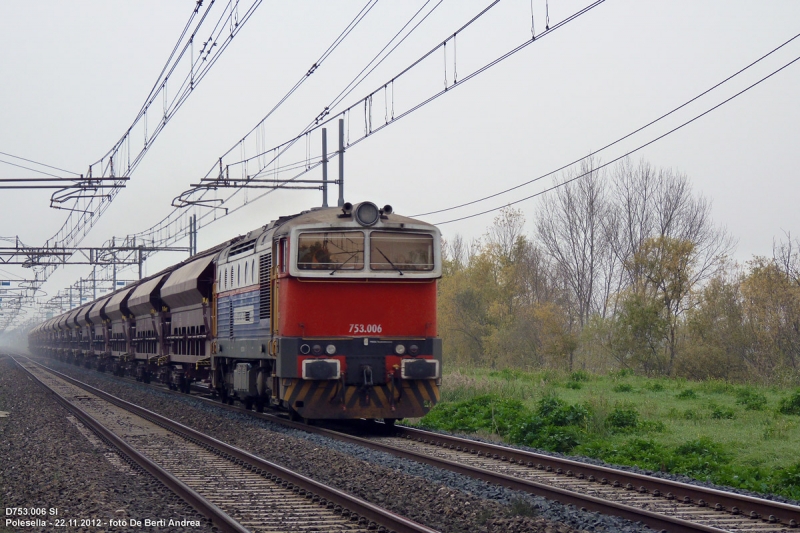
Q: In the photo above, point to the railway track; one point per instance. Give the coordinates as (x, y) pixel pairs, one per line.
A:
(237, 491)
(657, 502)
(661, 504)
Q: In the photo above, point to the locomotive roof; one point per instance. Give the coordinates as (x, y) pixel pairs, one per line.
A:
(333, 216)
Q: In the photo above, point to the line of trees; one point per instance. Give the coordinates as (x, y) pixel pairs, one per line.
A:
(625, 269)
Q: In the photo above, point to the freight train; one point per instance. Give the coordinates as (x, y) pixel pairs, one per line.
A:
(328, 314)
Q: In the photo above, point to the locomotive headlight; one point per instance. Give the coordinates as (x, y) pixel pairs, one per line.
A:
(413, 349)
(330, 349)
(399, 349)
(316, 349)
(367, 214)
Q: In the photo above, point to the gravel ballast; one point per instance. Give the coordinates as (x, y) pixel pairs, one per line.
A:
(48, 460)
(437, 498)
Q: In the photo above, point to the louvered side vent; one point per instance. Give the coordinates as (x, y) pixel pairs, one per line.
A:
(265, 297)
(230, 314)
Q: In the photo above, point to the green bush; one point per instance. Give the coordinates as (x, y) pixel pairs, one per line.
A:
(579, 375)
(487, 412)
(644, 453)
(751, 400)
(623, 387)
(791, 404)
(722, 413)
(700, 457)
(555, 426)
(655, 386)
(686, 394)
(621, 373)
(559, 413)
(623, 419)
(789, 481)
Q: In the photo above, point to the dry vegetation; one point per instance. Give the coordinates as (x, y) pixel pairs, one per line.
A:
(624, 271)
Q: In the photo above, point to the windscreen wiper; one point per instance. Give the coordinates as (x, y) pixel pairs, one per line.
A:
(340, 265)
(389, 260)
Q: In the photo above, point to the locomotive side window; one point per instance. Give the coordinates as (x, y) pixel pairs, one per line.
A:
(331, 250)
(400, 251)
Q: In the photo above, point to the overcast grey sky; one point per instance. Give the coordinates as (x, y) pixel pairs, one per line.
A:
(74, 74)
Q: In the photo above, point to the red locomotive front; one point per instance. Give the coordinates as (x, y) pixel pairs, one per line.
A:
(355, 306)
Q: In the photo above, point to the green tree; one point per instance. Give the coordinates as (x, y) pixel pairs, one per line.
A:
(666, 268)
(639, 334)
(772, 316)
(718, 343)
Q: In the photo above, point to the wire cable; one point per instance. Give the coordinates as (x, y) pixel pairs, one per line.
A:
(35, 170)
(673, 130)
(342, 36)
(87, 210)
(37, 163)
(214, 214)
(609, 145)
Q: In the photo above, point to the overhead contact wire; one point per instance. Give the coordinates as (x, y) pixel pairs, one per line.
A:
(673, 130)
(609, 145)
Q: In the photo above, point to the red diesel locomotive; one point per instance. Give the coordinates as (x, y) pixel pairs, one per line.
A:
(330, 314)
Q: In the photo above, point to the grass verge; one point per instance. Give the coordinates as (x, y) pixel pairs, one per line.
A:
(736, 435)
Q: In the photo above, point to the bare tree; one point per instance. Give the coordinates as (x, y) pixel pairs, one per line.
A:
(651, 203)
(504, 234)
(786, 254)
(572, 227)
(456, 252)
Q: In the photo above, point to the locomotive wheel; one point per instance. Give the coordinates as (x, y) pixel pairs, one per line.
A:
(389, 422)
(248, 403)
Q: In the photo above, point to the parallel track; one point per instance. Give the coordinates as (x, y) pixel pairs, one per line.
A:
(237, 491)
(662, 504)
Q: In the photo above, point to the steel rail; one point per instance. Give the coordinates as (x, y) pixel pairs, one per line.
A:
(745, 505)
(362, 508)
(217, 516)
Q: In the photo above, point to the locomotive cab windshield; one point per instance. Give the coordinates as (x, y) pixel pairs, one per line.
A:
(373, 253)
